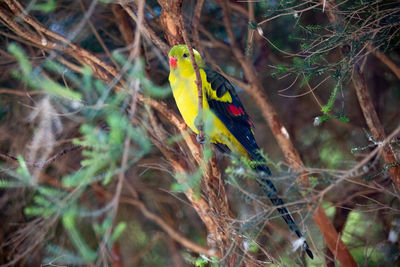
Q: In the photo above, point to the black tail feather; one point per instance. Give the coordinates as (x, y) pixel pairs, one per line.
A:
(272, 193)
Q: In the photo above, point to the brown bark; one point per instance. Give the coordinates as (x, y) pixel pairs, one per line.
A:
(257, 92)
(54, 41)
(339, 222)
(332, 239)
(105, 72)
(219, 226)
(385, 60)
(214, 209)
(281, 135)
(123, 23)
(369, 112)
(158, 220)
(367, 107)
(170, 13)
(374, 124)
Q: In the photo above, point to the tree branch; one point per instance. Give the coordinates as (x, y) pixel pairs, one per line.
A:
(333, 239)
(198, 78)
(159, 221)
(364, 98)
(374, 124)
(281, 135)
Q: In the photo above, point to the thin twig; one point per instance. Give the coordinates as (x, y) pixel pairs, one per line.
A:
(47, 162)
(382, 57)
(159, 221)
(198, 78)
(196, 23)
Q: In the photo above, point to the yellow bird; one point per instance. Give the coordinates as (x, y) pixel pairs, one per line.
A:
(232, 128)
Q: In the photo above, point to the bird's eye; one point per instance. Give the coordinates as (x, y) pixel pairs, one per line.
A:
(184, 55)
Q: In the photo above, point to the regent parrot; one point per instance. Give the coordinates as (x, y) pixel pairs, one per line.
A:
(232, 129)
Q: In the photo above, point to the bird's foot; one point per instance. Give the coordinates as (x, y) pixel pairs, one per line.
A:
(200, 138)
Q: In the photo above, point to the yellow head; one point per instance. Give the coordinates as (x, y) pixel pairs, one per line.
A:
(179, 58)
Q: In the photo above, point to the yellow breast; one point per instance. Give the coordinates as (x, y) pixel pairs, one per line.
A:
(184, 90)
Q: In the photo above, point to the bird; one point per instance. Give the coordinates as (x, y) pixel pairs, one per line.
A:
(232, 128)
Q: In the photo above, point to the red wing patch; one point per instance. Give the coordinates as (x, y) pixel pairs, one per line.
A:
(250, 121)
(232, 109)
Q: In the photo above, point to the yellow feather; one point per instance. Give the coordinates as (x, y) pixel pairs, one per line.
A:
(182, 80)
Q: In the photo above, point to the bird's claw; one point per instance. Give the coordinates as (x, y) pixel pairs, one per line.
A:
(200, 139)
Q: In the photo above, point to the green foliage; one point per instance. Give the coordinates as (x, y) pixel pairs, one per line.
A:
(47, 202)
(36, 80)
(69, 223)
(201, 261)
(328, 107)
(103, 133)
(253, 247)
(46, 7)
(314, 181)
(329, 209)
(136, 71)
(357, 225)
(104, 122)
(331, 156)
(118, 230)
(331, 51)
(23, 61)
(382, 171)
(60, 255)
(22, 171)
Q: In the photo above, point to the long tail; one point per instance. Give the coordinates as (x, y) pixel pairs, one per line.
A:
(272, 193)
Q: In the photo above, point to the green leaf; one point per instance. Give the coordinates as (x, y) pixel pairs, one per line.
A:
(47, 7)
(200, 262)
(344, 118)
(297, 62)
(328, 107)
(281, 68)
(23, 170)
(118, 230)
(87, 78)
(34, 211)
(305, 80)
(314, 181)
(58, 90)
(68, 220)
(11, 184)
(254, 248)
(22, 59)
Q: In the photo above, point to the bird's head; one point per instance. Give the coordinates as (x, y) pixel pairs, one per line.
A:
(179, 57)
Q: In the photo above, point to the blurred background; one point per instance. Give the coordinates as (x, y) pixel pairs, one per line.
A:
(98, 169)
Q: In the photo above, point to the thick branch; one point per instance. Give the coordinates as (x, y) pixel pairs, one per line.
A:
(281, 135)
(333, 240)
(198, 77)
(374, 124)
(196, 23)
(217, 225)
(364, 98)
(256, 91)
(123, 23)
(385, 60)
(171, 10)
(159, 221)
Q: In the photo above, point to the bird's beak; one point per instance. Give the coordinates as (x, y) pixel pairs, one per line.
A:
(173, 62)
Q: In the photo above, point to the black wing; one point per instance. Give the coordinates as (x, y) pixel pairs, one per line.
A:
(232, 114)
(240, 125)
